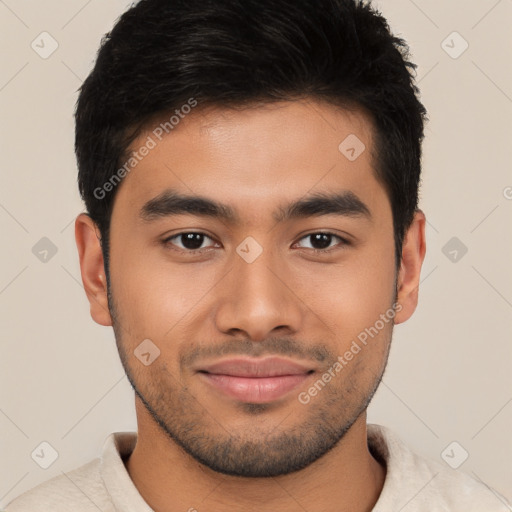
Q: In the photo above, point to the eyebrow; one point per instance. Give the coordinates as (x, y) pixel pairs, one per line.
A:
(171, 202)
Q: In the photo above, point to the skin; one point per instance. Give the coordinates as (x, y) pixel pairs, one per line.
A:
(289, 302)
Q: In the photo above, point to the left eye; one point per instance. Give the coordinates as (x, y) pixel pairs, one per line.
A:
(322, 241)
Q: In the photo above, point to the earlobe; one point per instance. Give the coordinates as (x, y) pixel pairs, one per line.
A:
(92, 268)
(413, 254)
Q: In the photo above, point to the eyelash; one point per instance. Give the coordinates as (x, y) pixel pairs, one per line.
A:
(167, 242)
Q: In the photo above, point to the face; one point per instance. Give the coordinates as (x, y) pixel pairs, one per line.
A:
(268, 303)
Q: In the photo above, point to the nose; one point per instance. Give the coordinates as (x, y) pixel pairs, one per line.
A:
(258, 300)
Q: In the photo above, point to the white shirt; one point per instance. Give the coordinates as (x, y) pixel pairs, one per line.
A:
(412, 484)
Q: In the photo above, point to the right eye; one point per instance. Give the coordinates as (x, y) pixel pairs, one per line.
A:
(187, 241)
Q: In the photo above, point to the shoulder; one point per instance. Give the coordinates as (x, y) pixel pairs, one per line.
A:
(425, 485)
(81, 487)
(102, 484)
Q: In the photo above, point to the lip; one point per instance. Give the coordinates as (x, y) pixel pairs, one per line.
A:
(251, 367)
(255, 380)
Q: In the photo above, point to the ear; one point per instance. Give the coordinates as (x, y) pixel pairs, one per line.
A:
(413, 254)
(88, 242)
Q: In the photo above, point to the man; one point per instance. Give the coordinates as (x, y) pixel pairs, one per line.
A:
(250, 170)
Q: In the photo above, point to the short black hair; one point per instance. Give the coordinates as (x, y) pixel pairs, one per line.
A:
(161, 54)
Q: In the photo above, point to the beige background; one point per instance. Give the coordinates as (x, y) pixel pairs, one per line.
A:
(449, 377)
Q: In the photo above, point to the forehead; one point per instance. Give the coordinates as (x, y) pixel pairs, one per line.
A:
(252, 157)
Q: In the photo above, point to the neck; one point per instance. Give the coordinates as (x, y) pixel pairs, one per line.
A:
(345, 479)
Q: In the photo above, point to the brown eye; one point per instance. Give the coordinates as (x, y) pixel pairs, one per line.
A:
(321, 241)
(189, 241)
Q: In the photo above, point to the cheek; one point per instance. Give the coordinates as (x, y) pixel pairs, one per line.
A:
(350, 297)
(153, 296)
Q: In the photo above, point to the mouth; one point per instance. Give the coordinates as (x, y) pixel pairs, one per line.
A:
(255, 380)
